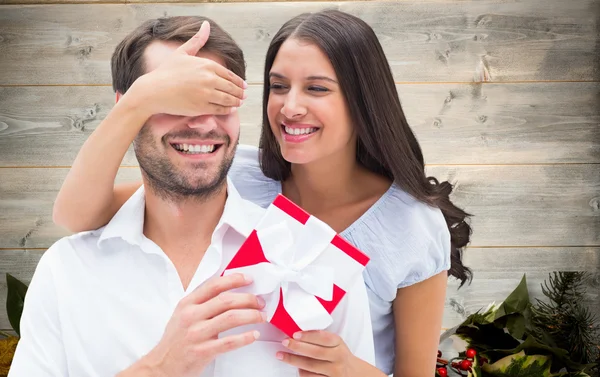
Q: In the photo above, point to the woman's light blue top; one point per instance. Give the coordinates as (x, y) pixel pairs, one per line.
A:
(407, 241)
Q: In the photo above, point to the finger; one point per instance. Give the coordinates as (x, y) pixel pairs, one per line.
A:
(228, 87)
(319, 337)
(192, 314)
(305, 373)
(224, 99)
(229, 301)
(194, 44)
(306, 363)
(230, 76)
(309, 350)
(213, 348)
(214, 287)
(232, 319)
(219, 110)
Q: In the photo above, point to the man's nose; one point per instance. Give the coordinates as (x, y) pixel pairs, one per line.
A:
(204, 122)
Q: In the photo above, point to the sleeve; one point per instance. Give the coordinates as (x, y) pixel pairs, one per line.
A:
(409, 243)
(352, 322)
(435, 259)
(40, 351)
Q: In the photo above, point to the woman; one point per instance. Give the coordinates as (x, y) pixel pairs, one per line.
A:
(332, 118)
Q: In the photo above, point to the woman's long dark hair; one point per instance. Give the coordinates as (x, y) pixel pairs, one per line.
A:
(386, 144)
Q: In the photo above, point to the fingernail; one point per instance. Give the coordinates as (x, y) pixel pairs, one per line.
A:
(286, 342)
(247, 278)
(256, 334)
(264, 316)
(261, 302)
(279, 355)
(297, 335)
(241, 103)
(245, 95)
(245, 85)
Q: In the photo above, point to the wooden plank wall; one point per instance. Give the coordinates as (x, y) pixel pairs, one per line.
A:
(503, 95)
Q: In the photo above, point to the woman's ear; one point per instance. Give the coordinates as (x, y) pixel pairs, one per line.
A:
(118, 97)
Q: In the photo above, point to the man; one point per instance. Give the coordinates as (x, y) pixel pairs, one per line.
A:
(143, 295)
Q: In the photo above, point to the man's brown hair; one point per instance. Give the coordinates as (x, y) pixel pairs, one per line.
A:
(127, 61)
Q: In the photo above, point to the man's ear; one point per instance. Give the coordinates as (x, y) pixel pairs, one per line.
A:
(118, 97)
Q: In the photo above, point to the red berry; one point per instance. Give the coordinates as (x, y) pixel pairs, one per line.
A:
(471, 353)
(465, 364)
(442, 372)
(484, 360)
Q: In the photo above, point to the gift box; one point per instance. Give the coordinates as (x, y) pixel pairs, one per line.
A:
(300, 266)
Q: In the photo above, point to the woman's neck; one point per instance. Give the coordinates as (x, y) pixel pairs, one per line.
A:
(329, 183)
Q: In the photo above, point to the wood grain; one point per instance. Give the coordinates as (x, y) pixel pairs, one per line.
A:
(455, 123)
(496, 273)
(547, 205)
(45, 2)
(440, 41)
(513, 205)
(46, 126)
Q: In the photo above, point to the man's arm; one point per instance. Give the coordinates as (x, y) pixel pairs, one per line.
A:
(40, 351)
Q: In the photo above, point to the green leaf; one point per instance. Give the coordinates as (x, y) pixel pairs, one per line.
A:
(520, 365)
(475, 369)
(571, 374)
(486, 336)
(515, 324)
(560, 357)
(516, 302)
(14, 301)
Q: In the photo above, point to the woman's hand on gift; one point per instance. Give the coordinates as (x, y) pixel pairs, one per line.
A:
(322, 353)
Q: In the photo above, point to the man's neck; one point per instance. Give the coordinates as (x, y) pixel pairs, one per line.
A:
(183, 228)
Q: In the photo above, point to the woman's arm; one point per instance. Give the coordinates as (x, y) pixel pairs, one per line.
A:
(418, 312)
(87, 199)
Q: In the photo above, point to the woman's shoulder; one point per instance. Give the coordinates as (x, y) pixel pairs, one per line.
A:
(408, 240)
(248, 178)
(397, 213)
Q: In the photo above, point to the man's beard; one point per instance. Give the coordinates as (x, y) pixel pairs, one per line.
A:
(163, 177)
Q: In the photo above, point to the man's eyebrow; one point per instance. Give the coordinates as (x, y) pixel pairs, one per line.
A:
(310, 78)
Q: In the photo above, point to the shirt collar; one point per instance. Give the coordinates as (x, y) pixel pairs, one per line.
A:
(128, 222)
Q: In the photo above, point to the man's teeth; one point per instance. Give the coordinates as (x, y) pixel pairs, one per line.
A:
(299, 131)
(194, 149)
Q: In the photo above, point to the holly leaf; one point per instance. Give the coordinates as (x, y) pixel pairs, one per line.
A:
(487, 337)
(516, 302)
(475, 370)
(14, 301)
(515, 325)
(520, 365)
(560, 356)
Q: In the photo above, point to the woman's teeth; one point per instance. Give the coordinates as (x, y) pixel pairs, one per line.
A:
(194, 149)
(299, 131)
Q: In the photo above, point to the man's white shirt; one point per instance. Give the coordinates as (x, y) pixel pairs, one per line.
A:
(100, 300)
